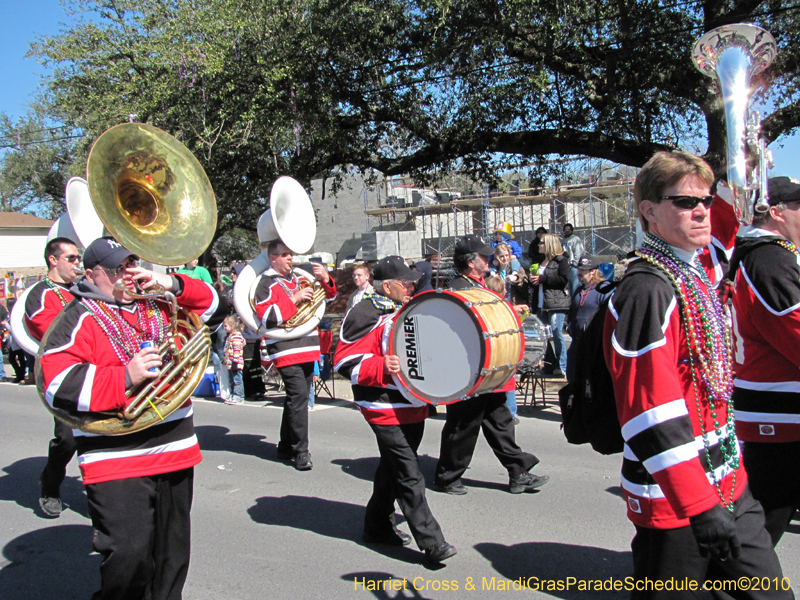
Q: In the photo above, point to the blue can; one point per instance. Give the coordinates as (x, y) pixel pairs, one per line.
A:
(148, 344)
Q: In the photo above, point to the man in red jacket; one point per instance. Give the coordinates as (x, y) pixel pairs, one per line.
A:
(398, 423)
(43, 304)
(487, 412)
(766, 393)
(278, 297)
(666, 345)
(139, 485)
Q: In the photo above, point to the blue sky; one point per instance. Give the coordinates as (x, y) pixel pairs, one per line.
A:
(22, 21)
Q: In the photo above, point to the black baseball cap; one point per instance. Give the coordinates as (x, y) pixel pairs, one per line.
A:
(473, 243)
(588, 262)
(105, 252)
(394, 267)
(783, 189)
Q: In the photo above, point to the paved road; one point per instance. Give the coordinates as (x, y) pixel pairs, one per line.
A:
(263, 530)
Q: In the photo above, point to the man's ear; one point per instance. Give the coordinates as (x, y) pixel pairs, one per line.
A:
(647, 210)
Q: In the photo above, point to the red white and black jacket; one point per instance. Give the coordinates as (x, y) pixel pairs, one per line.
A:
(766, 309)
(465, 282)
(83, 374)
(42, 306)
(363, 343)
(274, 307)
(665, 472)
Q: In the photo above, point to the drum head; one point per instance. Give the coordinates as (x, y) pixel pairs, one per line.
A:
(441, 347)
(536, 337)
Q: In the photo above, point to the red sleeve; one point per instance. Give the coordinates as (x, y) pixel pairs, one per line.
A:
(359, 353)
(198, 297)
(724, 227)
(330, 288)
(652, 386)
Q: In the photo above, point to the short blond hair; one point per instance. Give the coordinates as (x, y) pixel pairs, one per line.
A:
(495, 283)
(663, 170)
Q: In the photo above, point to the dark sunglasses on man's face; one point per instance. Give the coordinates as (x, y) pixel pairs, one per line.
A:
(72, 258)
(689, 202)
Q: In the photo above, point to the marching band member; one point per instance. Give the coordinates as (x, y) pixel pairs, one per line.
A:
(139, 485)
(488, 411)
(766, 393)
(277, 298)
(398, 423)
(665, 344)
(48, 298)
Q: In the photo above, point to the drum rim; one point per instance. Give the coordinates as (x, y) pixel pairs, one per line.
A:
(451, 296)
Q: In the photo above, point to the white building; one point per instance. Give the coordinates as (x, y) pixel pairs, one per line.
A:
(22, 242)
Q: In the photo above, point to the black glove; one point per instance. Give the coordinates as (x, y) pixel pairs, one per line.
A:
(715, 532)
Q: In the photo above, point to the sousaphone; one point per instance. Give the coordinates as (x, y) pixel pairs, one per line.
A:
(153, 197)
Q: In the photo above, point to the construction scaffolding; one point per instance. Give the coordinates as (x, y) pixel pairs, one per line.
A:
(601, 212)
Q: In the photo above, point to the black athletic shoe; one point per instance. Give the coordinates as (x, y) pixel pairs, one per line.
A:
(390, 538)
(454, 489)
(52, 507)
(527, 482)
(439, 552)
(302, 462)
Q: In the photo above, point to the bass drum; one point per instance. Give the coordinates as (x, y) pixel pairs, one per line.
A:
(455, 344)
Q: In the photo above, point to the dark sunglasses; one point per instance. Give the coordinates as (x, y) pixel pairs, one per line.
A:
(689, 202)
(130, 263)
(72, 258)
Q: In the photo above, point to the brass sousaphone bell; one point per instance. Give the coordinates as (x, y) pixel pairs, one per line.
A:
(154, 198)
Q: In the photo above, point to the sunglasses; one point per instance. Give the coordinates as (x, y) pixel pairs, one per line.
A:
(689, 202)
(282, 255)
(72, 258)
(130, 263)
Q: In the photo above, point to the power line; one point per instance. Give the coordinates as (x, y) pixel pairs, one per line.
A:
(67, 137)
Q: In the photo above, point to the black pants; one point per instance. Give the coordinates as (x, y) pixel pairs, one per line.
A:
(251, 374)
(18, 363)
(773, 471)
(664, 554)
(398, 477)
(61, 451)
(294, 424)
(464, 421)
(142, 528)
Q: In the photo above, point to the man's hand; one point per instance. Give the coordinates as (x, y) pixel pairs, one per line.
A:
(139, 368)
(715, 532)
(391, 364)
(149, 279)
(302, 295)
(320, 272)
